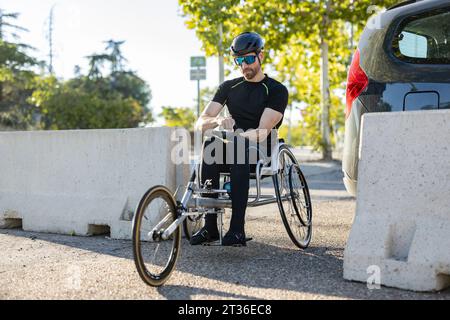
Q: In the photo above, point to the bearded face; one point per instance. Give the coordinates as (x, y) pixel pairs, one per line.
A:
(249, 71)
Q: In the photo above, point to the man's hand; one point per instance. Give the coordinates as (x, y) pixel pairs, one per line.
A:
(208, 119)
(268, 121)
(227, 123)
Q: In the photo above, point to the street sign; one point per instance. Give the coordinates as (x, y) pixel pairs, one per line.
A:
(198, 62)
(198, 74)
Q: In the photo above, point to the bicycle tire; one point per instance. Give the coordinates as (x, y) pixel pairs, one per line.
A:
(146, 275)
(300, 242)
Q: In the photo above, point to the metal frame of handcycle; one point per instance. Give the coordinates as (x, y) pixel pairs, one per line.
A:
(192, 198)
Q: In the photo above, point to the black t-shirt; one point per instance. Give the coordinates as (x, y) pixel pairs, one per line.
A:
(247, 100)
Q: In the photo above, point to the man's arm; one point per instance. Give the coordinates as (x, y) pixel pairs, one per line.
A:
(272, 115)
(268, 121)
(209, 118)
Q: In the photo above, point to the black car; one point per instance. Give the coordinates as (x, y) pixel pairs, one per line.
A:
(402, 64)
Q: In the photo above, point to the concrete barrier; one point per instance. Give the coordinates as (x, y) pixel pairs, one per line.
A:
(82, 181)
(401, 233)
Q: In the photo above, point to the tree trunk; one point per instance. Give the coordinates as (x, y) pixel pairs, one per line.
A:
(289, 137)
(1, 24)
(1, 93)
(325, 88)
(1, 37)
(220, 54)
(221, 59)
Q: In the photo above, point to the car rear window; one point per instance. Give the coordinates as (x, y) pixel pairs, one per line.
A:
(424, 39)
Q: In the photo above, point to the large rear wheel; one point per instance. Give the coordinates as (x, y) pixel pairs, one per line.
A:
(192, 224)
(294, 201)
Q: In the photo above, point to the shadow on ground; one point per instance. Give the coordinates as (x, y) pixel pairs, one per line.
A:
(318, 270)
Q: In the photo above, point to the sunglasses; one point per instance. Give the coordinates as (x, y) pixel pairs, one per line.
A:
(247, 59)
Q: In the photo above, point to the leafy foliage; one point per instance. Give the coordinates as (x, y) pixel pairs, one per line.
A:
(16, 77)
(293, 31)
(179, 117)
(115, 101)
(184, 116)
(117, 98)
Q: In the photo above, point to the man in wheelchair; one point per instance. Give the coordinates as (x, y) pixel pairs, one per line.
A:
(256, 104)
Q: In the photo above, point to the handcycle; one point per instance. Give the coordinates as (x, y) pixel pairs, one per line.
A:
(159, 217)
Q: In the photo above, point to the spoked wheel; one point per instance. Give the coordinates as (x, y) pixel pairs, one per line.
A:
(155, 255)
(294, 201)
(192, 224)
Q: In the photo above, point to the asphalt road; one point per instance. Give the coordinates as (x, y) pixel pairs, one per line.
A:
(48, 266)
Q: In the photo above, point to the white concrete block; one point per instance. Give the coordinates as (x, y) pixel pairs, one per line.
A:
(402, 221)
(63, 181)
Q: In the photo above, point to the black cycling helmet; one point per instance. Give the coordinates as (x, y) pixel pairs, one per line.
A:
(247, 42)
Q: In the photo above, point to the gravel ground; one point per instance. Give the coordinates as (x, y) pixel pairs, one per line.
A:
(48, 266)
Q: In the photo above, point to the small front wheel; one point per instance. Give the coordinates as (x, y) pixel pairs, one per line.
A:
(155, 254)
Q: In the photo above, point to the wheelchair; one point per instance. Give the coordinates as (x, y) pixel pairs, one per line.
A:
(159, 218)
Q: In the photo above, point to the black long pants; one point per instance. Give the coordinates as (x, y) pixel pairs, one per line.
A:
(239, 165)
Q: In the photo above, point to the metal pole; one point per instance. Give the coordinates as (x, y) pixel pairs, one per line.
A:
(198, 99)
(50, 40)
(289, 138)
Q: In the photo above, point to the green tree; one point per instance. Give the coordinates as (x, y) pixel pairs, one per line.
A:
(323, 31)
(206, 95)
(179, 117)
(96, 64)
(130, 85)
(297, 134)
(186, 117)
(6, 24)
(68, 106)
(78, 109)
(309, 43)
(118, 99)
(213, 22)
(115, 55)
(16, 77)
(112, 55)
(127, 82)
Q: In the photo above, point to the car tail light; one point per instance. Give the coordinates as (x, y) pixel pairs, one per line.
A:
(357, 81)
